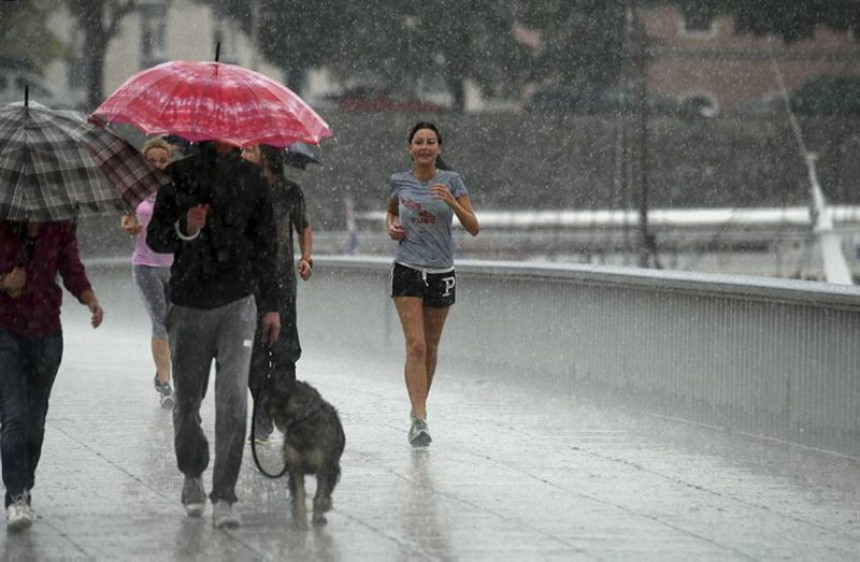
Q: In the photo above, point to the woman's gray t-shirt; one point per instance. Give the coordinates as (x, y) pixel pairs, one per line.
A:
(428, 242)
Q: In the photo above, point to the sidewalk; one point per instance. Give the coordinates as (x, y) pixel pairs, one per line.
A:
(512, 474)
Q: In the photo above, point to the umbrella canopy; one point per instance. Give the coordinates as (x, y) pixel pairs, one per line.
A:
(202, 101)
(54, 165)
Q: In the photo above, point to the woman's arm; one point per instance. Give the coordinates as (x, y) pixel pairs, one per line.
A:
(466, 215)
(462, 207)
(392, 220)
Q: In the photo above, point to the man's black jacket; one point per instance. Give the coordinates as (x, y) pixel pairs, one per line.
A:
(234, 254)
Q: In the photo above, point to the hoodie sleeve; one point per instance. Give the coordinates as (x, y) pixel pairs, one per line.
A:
(161, 234)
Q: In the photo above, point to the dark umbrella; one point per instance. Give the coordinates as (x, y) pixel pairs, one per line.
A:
(54, 165)
(299, 155)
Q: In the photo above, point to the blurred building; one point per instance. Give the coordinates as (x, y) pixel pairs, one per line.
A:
(706, 63)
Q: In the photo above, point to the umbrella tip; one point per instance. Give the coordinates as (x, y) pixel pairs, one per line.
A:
(26, 95)
(217, 50)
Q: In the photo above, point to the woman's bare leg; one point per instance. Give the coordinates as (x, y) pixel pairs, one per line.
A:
(434, 322)
(410, 311)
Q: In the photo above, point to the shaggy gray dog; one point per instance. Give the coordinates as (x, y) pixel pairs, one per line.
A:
(313, 443)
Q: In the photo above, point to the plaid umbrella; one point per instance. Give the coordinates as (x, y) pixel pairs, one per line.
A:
(56, 166)
(202, 101)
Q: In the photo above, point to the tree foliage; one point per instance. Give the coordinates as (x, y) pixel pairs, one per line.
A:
(293, 35)
(25, 40)
(99, 20)
(437, 44)
(584, 40)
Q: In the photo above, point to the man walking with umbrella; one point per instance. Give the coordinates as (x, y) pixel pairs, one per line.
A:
(216, 218)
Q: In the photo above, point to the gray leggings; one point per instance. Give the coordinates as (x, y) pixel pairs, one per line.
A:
(152, 283)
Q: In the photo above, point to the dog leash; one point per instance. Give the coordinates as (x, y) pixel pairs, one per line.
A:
(254, 448)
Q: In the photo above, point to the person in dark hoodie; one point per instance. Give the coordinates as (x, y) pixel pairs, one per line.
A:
(278, 362)
(216, 218)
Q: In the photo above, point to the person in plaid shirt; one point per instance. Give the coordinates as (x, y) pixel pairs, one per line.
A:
(31, 345)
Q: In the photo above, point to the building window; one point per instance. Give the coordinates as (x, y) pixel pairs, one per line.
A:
(153, 33)
(698, 25)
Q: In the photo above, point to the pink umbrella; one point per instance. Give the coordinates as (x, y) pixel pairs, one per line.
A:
(201, 101)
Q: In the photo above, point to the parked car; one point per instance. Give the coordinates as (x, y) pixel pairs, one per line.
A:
(374, 99)
(827, 95)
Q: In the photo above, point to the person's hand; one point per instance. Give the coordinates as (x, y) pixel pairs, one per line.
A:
(97, 314)
(305, 269)
(396, 231)
(89, 300)
(441, 191)
(130, 225)
(196, 218)
(270, 328)
(15, 281)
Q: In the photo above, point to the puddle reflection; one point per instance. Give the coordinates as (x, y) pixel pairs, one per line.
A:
(423, 527)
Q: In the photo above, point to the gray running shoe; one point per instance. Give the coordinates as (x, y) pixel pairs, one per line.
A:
(223, 516)
(193, 496)
(419, 433)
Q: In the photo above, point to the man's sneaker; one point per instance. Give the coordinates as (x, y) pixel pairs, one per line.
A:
(223, 516)
(18, 514)
(419, 433)
(193, 497)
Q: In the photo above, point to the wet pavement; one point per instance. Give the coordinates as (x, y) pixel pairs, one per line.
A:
(514, 473)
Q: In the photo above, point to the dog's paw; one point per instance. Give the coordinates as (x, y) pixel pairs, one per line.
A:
(319, 519)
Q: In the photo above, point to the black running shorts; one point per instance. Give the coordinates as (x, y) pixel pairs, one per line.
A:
(437, 290)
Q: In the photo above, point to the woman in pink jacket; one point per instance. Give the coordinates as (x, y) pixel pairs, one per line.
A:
(151, 272)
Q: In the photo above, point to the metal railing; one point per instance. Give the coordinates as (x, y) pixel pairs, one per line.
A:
(772, 357)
